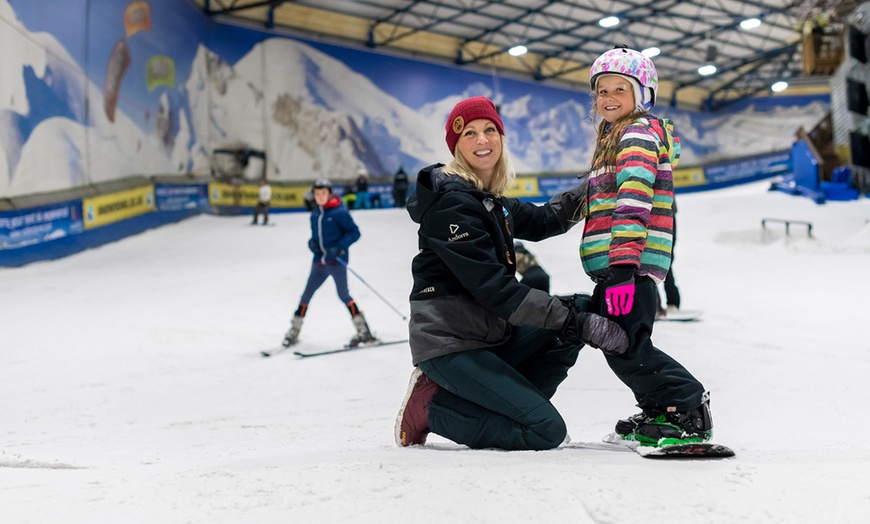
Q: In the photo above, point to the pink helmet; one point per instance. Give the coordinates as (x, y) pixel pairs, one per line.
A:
(630, 63)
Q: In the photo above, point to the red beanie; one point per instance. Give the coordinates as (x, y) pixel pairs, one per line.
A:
(466, 111)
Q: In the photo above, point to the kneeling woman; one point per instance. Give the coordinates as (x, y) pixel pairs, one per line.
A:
(489, 351)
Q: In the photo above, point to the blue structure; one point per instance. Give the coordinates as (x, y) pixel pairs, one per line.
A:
(804, 178)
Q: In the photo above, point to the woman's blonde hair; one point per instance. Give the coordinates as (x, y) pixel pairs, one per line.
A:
(503, 174)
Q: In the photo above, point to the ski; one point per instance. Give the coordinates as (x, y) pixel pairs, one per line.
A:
(348, 348)
(693, 450)
(273, 352)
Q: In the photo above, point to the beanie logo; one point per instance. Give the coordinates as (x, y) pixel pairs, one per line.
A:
(458, 124)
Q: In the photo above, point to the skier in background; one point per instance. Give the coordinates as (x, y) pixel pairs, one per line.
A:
(672, 292)
(333, 231)
(533, 274)
(361, 188)
(400, 187)
(264, 199)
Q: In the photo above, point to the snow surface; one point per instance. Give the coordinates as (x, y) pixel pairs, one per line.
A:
(133, 389)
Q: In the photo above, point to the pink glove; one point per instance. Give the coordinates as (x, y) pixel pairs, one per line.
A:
(619, 293)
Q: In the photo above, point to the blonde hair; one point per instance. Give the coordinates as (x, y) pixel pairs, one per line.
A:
(503, 174)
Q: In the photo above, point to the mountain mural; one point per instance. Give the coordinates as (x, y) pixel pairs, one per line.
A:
(313, 113)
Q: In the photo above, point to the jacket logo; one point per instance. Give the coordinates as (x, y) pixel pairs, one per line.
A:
(456, 236)
(430, 289)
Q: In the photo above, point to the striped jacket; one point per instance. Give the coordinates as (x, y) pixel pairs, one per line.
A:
(630, 218)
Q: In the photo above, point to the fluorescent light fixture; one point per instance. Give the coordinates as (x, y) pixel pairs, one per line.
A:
(706, 70)
(609, 21)
(779, 86)
(750, 23)
(518, 50)
(650, 52)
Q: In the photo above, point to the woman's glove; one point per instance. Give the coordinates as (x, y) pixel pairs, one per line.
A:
(595, 330)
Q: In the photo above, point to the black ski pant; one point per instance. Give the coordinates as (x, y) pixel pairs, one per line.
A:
(500, 397)
(656, 379)
(262, 207)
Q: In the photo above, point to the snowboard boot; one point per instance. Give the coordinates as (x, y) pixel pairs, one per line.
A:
(292, 335)
(665, 427)
(363, 335)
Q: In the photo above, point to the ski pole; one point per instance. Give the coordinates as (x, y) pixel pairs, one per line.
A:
(361, 279)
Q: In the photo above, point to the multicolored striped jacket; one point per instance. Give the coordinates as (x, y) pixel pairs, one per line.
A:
(630, 218)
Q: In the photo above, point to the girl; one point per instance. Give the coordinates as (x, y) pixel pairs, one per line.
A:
(485, 345)
(627, 243)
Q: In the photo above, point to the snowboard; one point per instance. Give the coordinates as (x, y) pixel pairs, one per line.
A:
(695, 450)
(680, 316)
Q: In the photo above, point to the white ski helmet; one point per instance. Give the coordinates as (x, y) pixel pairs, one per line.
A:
(634, 65)
(322, 183)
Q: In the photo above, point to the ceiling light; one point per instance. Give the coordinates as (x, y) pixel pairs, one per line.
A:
(609, 21)
(779, 86)
(650, 52)
(518, 50)
(706, 70)
(750, 23)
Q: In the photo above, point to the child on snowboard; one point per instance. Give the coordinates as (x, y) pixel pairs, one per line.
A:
(627, 246)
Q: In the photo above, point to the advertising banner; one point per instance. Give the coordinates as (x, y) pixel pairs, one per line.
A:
(39, 224)
(107, 209)
(175, 197)
(693, 176)
(245, 195)
(748, 168)
(524, 186)
(550, 186)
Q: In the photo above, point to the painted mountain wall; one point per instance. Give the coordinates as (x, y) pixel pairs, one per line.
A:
(99, 90)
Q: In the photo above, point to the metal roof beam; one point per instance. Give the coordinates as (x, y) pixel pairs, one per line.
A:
(234, 7)
(763, 57)
(412, 30)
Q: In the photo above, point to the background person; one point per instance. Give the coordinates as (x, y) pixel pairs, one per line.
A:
(264, 198)
(533, 275)
(400, 187)
(333, 231)
(361, 188)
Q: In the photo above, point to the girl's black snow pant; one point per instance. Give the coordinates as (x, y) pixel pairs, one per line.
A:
(500, 397)
(656, 379)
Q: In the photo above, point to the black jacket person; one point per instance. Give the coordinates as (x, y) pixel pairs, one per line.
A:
(490, 351)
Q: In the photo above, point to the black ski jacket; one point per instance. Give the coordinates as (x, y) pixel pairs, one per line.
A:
(465, 294)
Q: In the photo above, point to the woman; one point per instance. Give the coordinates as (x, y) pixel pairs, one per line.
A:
(489, 351)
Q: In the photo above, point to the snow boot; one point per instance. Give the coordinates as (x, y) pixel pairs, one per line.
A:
(412, 422)
(666, 427)
(292, 335)
(363, 335)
